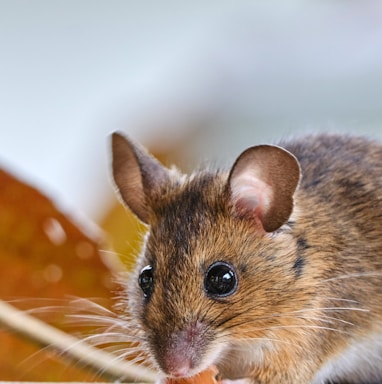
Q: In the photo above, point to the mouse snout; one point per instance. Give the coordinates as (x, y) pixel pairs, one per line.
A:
(181, 354)
(177, 365)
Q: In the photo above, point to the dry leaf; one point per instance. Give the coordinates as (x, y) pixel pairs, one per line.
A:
(43, 254)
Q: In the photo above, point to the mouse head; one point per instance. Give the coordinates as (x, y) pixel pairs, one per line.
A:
(210, 234)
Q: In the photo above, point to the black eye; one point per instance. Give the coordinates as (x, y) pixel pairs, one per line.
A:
(146, 281)
(220, 280)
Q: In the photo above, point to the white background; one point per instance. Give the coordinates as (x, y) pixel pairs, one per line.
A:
(72, 71)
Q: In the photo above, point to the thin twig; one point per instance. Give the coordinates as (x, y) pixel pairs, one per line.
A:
(102, 362)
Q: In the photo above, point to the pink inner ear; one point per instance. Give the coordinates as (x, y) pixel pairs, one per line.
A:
(251, 195)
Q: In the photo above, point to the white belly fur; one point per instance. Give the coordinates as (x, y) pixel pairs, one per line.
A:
(360, 362)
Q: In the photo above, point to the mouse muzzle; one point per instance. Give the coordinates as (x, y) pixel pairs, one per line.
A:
(181, 352)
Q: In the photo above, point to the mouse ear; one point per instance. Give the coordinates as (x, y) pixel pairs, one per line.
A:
(262, 183)
(136, 174)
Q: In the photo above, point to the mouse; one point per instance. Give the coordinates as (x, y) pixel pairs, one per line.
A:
(270, 270)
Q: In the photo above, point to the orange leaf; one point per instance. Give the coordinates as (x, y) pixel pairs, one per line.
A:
(43, 254)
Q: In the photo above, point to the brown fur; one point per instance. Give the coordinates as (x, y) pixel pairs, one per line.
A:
(306, 291)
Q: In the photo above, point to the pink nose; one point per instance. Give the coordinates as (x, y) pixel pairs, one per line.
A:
(180, 354)
(179, 368)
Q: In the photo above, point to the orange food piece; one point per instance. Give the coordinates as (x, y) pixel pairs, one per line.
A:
(209, 376)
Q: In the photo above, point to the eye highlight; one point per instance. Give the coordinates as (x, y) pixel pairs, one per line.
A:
(146, 281)
(220, 280)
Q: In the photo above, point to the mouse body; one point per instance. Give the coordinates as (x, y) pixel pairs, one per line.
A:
(270, 270)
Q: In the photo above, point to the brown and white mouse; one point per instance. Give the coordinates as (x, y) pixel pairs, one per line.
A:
(271, 270)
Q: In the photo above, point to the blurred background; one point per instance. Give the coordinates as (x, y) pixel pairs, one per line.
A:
(193, 81)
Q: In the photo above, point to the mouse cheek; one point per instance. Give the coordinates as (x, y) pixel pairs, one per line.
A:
(182, 354)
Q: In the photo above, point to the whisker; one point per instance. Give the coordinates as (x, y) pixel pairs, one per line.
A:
(339, 299)
(291, 314)
(326, 319)
(353, 275)
(261, 339)
(297, 326)
(108, 337)
(82, 304)
(334, 309)
(95, 320)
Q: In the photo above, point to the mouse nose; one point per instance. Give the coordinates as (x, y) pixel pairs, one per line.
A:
(177, 365)
(180, 353)
(179, 371)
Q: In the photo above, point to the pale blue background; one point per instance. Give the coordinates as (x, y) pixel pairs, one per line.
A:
(240, 72)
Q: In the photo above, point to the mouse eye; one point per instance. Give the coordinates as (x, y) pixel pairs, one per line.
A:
(146, 280)
(220, 280)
